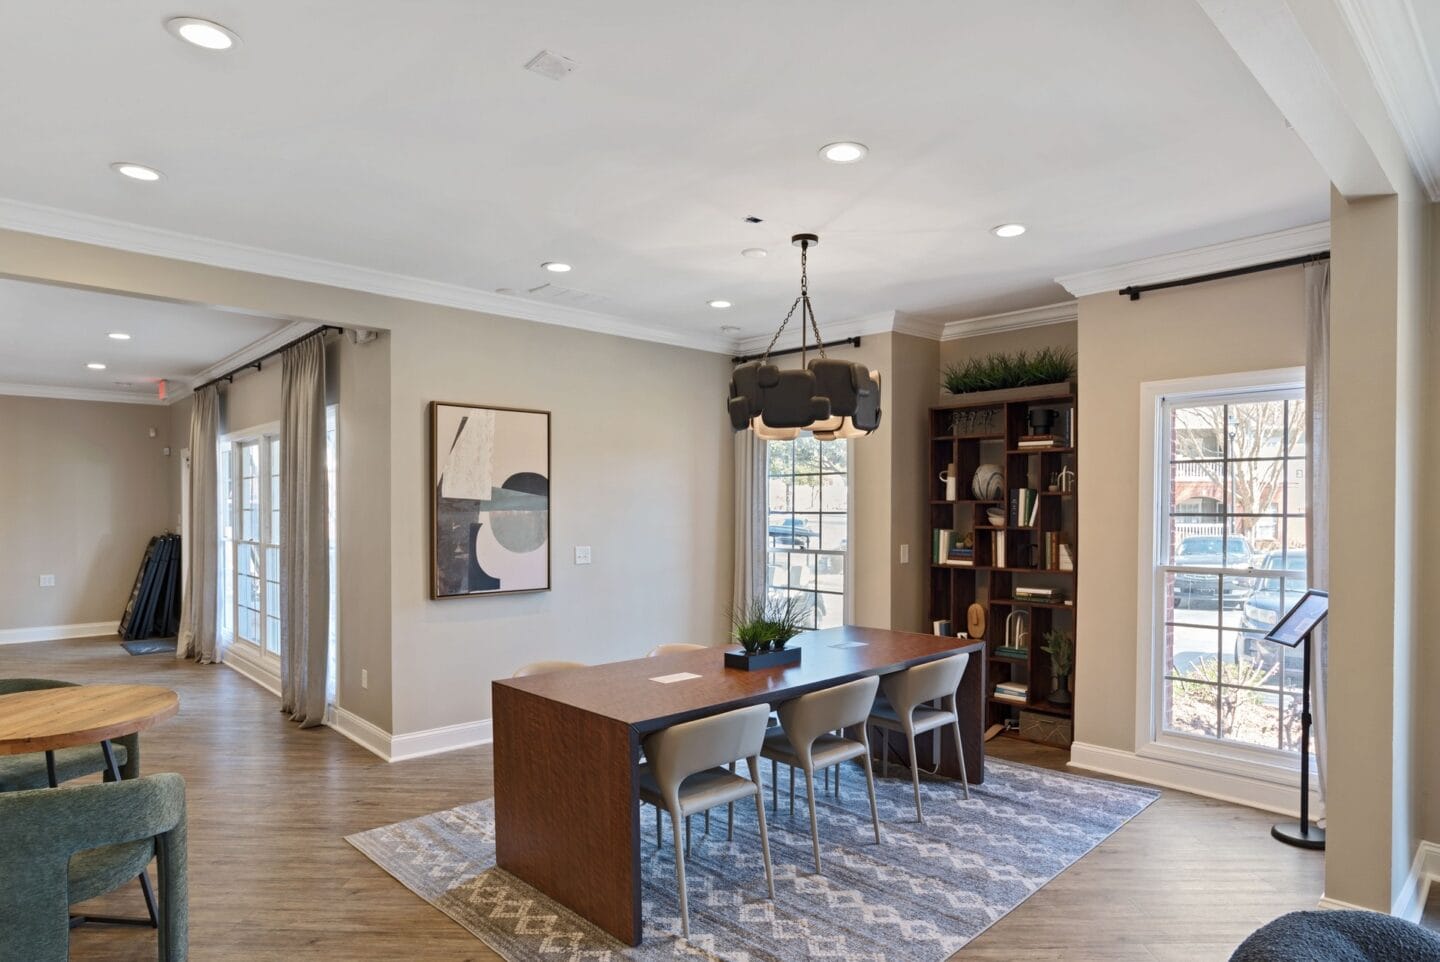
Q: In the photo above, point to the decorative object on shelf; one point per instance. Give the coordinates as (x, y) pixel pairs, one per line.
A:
(996, 516)
(1061, 649)
(991, 372)
(1041, 420)
(1065, 480)
(988, 483)
(830, 398)
(971, 422)
(975, 621)
(489, 500)
(949, 477)
(1046, 729)
(1017, 630)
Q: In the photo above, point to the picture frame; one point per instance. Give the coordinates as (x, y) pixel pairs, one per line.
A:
(490, 504)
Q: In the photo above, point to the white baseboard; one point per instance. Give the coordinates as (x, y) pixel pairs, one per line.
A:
(433, 741)
(1240, 789)
(399, 748)
(252, 668)
(20, 636)
(1335, 905)
(1410, 904)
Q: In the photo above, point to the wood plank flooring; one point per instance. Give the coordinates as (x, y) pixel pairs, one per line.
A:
(272, 878)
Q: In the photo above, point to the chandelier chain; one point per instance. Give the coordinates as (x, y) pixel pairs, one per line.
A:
(807, 311)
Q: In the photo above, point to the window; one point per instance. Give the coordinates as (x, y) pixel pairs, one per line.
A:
(1228, 559)
(808, 525)
(250, 540)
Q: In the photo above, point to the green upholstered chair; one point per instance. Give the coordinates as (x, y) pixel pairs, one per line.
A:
(19, 772)
(59, 846)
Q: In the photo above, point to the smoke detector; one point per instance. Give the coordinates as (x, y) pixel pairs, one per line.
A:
(552, 65)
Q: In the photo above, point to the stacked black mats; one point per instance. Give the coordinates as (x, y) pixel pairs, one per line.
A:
(153, 610)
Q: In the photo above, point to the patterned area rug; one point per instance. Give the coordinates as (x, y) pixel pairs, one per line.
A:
(918, 897)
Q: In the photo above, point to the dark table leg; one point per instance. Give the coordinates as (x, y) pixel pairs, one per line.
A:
(149, 893)
(50, 769)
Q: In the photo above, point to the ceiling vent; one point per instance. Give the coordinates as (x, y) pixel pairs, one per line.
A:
(551, 65)
(566, 295)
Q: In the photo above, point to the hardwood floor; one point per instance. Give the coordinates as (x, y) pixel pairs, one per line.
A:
(271, 876)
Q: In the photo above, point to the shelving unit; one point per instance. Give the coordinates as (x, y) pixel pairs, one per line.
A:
(953, 588)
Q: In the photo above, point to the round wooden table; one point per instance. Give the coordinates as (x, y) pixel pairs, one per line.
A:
(51, 718)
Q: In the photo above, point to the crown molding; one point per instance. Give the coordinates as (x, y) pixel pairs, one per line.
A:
(1245, 252)
(882, 322)
(77, 394)
(1012, 320)
(105, 232)
(1405, 76)
(919, 325)
(247, 355)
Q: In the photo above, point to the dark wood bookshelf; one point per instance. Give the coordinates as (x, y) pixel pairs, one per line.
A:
(953, 588)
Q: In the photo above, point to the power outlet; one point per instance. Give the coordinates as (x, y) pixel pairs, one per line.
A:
(364, 678)
(582, 554)
(47, 581)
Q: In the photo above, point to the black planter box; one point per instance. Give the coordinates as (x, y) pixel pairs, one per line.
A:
(762, 659)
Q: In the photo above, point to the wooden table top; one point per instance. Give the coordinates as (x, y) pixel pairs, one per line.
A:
(51, 718)
(625, 690)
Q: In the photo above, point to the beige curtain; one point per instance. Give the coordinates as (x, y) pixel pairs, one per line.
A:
(750, 497)
(304, 547)
(202, 572)
(1317, 472)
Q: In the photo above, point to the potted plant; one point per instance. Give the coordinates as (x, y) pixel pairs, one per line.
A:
(763, 628)
(1041, 370)
(1061, 649)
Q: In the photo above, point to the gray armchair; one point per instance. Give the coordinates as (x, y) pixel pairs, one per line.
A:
(19, 772)
(59, 846)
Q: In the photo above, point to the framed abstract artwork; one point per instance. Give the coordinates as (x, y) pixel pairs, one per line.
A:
(489, 500)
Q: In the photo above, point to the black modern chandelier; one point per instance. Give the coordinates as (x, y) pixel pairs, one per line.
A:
(831, 399)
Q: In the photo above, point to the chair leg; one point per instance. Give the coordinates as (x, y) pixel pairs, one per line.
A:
(680, 876)
(960, 752)
(915, 775)
(870, 787)
(792, 791)
(754, 765)
(707, 823)
(658, 835)
(814, 825)
(730, 815)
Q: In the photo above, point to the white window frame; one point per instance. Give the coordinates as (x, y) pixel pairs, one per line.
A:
(255, 653)
(1151, 740)
(763, 506)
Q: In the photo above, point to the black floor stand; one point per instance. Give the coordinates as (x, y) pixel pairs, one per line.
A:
(1302, 834)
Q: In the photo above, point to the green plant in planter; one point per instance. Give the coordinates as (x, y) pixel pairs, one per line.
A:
(786, 616)
(750, 626)
(992, 372)
(1061, 649)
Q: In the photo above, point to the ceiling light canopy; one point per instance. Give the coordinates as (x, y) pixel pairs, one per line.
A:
(202, 33)
(555, 267)
(721, 305)
(1008, 230)
(95, 366)
(844, 152)
(118, 336)
(831, 399)
(135, 171)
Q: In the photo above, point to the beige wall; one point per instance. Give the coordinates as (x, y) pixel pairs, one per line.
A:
(1026, 339)
(913, 391)
(84, 488)
(252, 399)
(1249, 324)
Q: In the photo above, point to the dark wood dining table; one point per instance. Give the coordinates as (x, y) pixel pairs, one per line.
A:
(567, 744)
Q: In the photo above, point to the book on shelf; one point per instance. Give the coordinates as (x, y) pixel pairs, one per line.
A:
(1024, 507)
(941, 626)
(1065, 557)
(997, 549)
(1041, 441)
(1006, 651)
(1038, 594)
(949, 547)
(1012, 687)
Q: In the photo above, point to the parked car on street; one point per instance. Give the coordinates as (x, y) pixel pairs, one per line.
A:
(1264, 607)
(792, 533)
(1192, 589)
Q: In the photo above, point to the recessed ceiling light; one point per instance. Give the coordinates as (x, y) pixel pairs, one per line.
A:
(135, 171)
(845, 152)
(721, 305)
(202, 33)
(555, 267)
(118, 336)
(95, 366)
(755, 252)
(1008, 230)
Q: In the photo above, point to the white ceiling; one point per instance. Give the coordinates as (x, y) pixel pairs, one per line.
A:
(407, 138)
(50, 333)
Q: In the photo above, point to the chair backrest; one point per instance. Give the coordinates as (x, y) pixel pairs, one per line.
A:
(808, 717)
(9, 686)
(542, 667)
(672, 648)
(927, 682)
(689, 747)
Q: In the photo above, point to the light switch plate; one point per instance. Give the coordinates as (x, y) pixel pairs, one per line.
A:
(904, 554)
(582, 554)
(47, 581)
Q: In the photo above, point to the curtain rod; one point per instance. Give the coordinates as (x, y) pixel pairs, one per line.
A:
(1135, 290)
(852, 341)
(229, 376)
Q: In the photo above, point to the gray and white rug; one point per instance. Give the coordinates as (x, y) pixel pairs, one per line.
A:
(918, 897)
